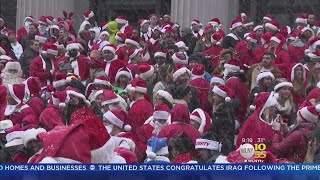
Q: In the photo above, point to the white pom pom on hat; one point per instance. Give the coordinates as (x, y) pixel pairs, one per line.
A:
(318, 107)
(127, 128)
(227, 99)
(252, 107)
(151, 155)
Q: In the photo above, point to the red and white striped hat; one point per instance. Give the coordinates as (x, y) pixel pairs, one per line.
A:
(310, 113)
(119, 118)
(88, 14)
(273, 25)
(121, 19)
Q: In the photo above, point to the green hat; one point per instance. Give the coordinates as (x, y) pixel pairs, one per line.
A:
(113, 26)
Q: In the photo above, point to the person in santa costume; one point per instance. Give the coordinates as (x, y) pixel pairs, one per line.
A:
(151, 127)
(272, 27)
(16, 46)
(95, 37)
(297, 47)
(200, 120)
(16, 110)
(182, 47)
(12, 147)
(145, 30)
(259, 125)
(292, 144)
(234, 36)
(12, 73)
(196, 28)
(209, 149)
(265, 81)
(205, 43)
(32, 32)
(200, 84)
(154, 43)
(163, 97)
(45, 65)
(109, 100)
(189, 39)
(282, 59)
(140, 108)
(88, 21)
(52, 115)
(153, 18)
(123, 77)
(124, 25)
(165, 76)
(180, 59)
(23, 31)
(157, 151)
(112, 63)
(248, 50)
(4, 125)
(3, 28)
(298, 77)
(79, 62)
(214, 51)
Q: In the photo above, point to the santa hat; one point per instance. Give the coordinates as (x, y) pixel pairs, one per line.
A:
(235, 23)
(17, 92)
(180, 113)
(5, 125)
(121, 37)
(265, 38)
(310, 113)
(119, 118)
(151, 15)
(14, 139)
(232, 65)
(257, 27)
(304, 71)
(252, 37)
(28, 18)
(121, 20)
(222, 91)
(264, 75)
(72, 45)
(197, 71)
(104, 33)
(5, 57)
(273, 25)
(180, 72)
(88, 14)
(145, 71)
(129, 156)
(157, 147)
(33, 86)
(74, 92)
(68, 14)
(283, 84)
(51, 20)
(208, 141)
(262, 101)
(103, 26)
(278, 38)
(59, 80)
(15, 65)
(180, 58)
(133, 40)
(202, 118)
(109, 97)
(166, 30)
(124, 71)
(314, 55)
(214, 22)
(31, 134)
(217, 79)
(304, 29)
(110, 47)
(145, 56)
(139, 85)
(102, 80)
(196, 22)
(133, 53)
(268, 17)
(216, 38)
(301, 19)
(166, 95)
(142, 22)
(312, 44)
(160, 53)
(49, 48)
(59, 98)
(62, 150)
(41, 39)
(161, 111)
(42, 20)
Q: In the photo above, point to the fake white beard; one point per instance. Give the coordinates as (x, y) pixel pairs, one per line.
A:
(26, 25)
(10, 109)
(42, 29)
(158, 127)
(11, 78)
(109, 128)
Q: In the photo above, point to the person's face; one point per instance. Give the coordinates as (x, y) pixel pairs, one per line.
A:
(135, 33)
(161, 121)
(130, 46)
(209, 33)
(266, 61)
(74, 100)
(274, 44)
(32, 30)
(98, 100)
(153, 20)
(183, 79)
(61, 33)
(170, 76)
(195, 28)
(145, 27)
(1, 22)
(298, 72)
(12, 38)
(166, 19)
(157, 34)
(34, 146)
(93, 34)
(195, 124)
(238, 30)
(174, 153)
(123, 79)
(217, 99)
(2, 64)
(138, 59)
(266, 82)
(192, 63)
(160, 60)
(35, 46)
(318, 48)
(205, 154)
(311, 19)
(10, 100)
(183, 33)
(104, 37)
(107, 55)
(259, 32)
(73, 52)
(55, 32)
(285, 92)
(307, 34)
(269, 30)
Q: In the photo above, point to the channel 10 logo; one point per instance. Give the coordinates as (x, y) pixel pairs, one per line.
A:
(257, 150)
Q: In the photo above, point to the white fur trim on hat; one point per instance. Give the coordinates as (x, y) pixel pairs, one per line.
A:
(208, 144)
(160, 54)
(306, 29)
(219, 92)
(271, 101)
(275, 39)
(104, 32)
(283, 84)
(265, 74)
(31, 134)
(4, 125)
(147, 74)
(99, 92)
(257, 27)
(113, 119)
(59, 83)
(5, 57)
(110, 101)
(301, 20)
(14, 142)
(267, 18)
(217, 80)
(202, 118)
(130, 41)
(109, 48)
(12, 94)
(117, 160)
(72, 46)
(162, 152)
(180, 72)
(166, 95)
(136, 51)
(52, 52)
(251, 39)
(144, 22)
(99, 81)
(176, 60)
(161, 115)
(233, 67)
(121, 21)
(235, 25)
(40, 39)
(125, 73)
(195, 118)
(307, 115)
(79, 95)
(140, 89)
(271, 26)
(13, 65)
(14, 135)
(181, 44)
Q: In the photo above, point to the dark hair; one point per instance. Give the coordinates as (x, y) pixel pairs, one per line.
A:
(32, 42)
(181, 91)
(77, 85)
(269, 53)
(165, 70)
(181, 143)
(195, 56)
(315, 134)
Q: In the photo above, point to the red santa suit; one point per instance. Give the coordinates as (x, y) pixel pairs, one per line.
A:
(127, 29)
(200, 84)
(255, 129)
(298, 99)
(79, 65)
(180, 123)
(33, 88)
(51, 117)
(296, 51)
(122, 54)
(153, 46)
(139, 112)
(22, 32)
(147, 35)
(214, 52)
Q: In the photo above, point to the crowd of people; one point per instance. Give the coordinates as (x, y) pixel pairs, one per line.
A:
(159, 93)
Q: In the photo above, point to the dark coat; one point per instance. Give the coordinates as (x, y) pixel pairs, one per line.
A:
(25, 60)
